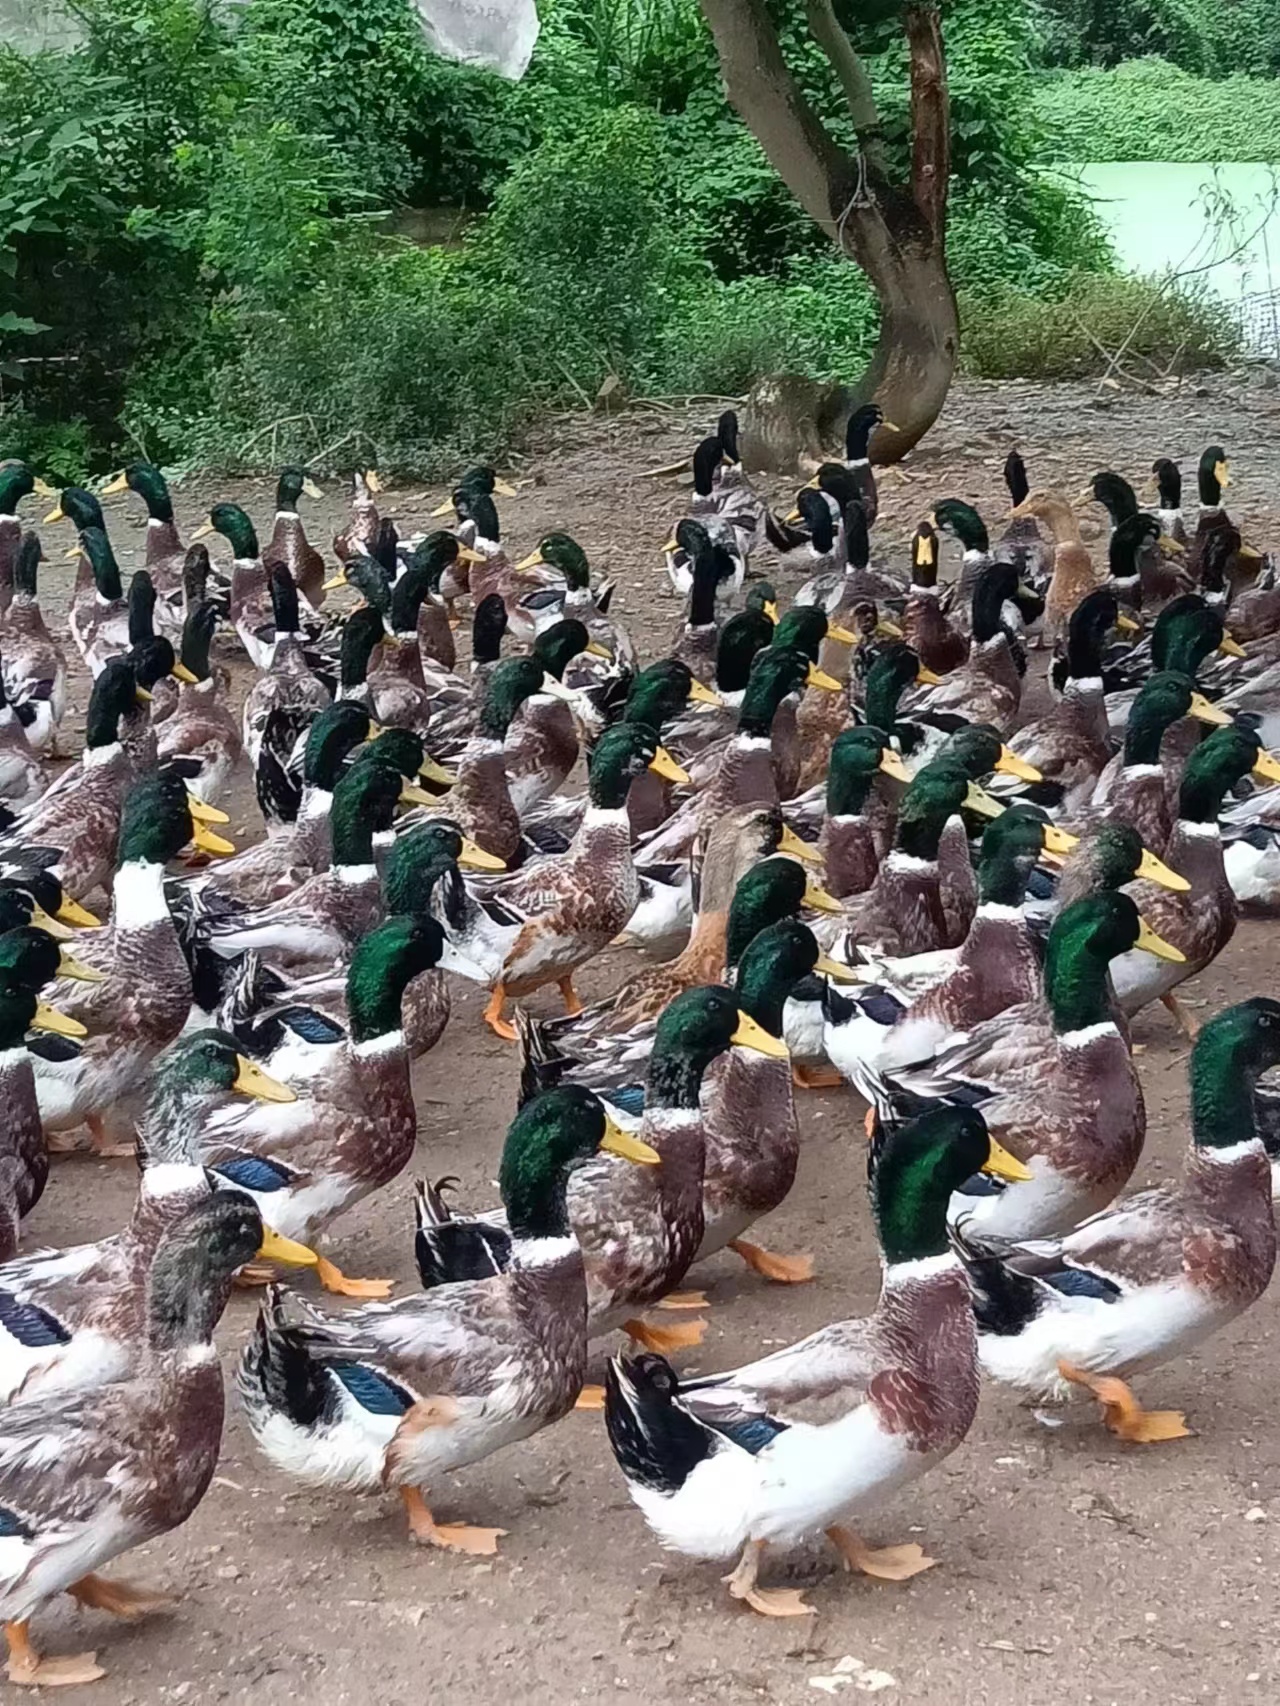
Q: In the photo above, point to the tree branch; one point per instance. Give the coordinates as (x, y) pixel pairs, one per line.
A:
(771, 103)
(831, 37)
(930, 116)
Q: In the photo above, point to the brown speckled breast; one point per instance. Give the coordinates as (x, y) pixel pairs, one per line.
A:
(1230, 1249)
(848, 849)
(752, 1142)
(929, 1391)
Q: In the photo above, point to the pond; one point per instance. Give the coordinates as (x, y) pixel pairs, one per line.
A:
(1163, 215)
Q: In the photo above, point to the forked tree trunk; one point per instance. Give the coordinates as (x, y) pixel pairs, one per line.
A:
(896, 234)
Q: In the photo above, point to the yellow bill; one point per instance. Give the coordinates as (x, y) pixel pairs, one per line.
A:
(891, 426)
(1001, 1165)
(1231, 648)
(71, 551)
(978, 800)
(505, 489)
(662, 764)
(49, 1019)
(534, 560)
(924, 550)
(202, 532)
(888, 630)
(42, 489)
(1057, 840)
(1127, 625)
(475, 858)
(755, 1037)
(1150, 943)
(118, 483)
(1266, 768)
(142, 695)
(251, 1080)
(77, 971)
(467, 555)
(57, 513)
(430, 771)
(790, 843)
(71, 912)
(203, 813)
(311, 489)
(1168, 546)
(819, 899)
(446, 508)
(846, 636)
(1222, 473)
(1009, 764)
(1204, 712)
(334, 582)
(793, 515)
(412, 795)
(180, 672)
(1156, 871)
(770, 609)
(275, 1247)
(893, 765)
(621, 1143)
(833, 969)
(819, 678)
(42, 921)
(927, 678)
(700, 695)
(596, 650)
(373, 480)
(208, 842)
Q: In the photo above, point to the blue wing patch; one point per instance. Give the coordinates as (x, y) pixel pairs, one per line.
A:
(1079, 1282)
(628, 1097)
(372, 1391)
(12, 1526)
(311, 1026)
(752, 1435)
(253, 1173)
(29, 1325)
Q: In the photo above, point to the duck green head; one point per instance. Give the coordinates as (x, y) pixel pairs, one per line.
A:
(26, 568)
(142, 604)
(293, 482)
(976, 749)
(815, 513)
(1168, 482)
(80, 507)
(399, 750)
(156, 822)
(857, 756)
(742, 636)
(112, 696)
(152, 659)
(805, 626)
(1214, 768)
(197, 638)
(1213, 476)
(1086, 936)
(149, 483)
(658, 693)
(102, 561)
(386, 548)
(338, 730)
(551, 1135)
(434, 553)
(770, 891)
(284, 601)
(16, 482)
(556, 647)
(371, 581)
(195, 1263)
(360, 634)
(1163, 699)
(933, 795)
(693, 1030)
(383, 966)
(1229, 1055)
(772, 964)
(1132, 536)
(17, 906)
(996, 586)
(858, 430)
(407, 597)
(480, 509)
(762, 600)
(364, 804)
(38, 898)
(706, 462)
(561, 552)
(186, 1079)
(511, 683)
(708, 565)
(1011, 845)
(29, 958)
(1090, 623)
(1115, 494)
(622, 753)
(775, 674)
(896, 668)
(488, 625)
(963, 522)
(235, 527)
(915, 1169)
(1115, 851)
(1186, 632)
(416, 863)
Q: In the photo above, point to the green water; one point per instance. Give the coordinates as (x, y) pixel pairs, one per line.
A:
(1158, 218)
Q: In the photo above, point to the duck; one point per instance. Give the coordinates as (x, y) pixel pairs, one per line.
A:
(251, 612)
(1213, 476)
(289, 545)
(360, 534)
(353, 1125)
(573, 906)
(925, 626)
(1146, 548)
(1053, 1076)
(847, 842)
(694, 542)
(99, 614)
(165, 556)
(17, 481)
(73, 1318)
(142, 998)
(88, 1478)
(29, 959)
(541, 744)
(862, 423)
(35, 665)
(1074, 574)
(402, 1394)
(1200, 921)
(698, 640)
(1129, 1289)
(1168, 483)
(319, 922)
(23, 777)
(715, 1471)
(1022, 542)
(987, 688)
(737, 501)
(79, 816)
(558, 554)
(200, 734)
(287, 684)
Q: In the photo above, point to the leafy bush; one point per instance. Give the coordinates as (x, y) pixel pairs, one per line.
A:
(1212, 38)
(1010, 334)
(1148, 109)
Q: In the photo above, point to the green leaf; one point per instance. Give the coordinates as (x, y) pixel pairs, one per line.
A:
(21, 323)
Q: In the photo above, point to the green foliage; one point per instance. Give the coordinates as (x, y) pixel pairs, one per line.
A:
(1213, 38)
(1010, 334)
(1147, 109)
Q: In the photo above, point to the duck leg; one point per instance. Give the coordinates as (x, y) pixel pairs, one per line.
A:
(664, 1340)
(569, 995)
(1187, 1023)
(26, 1669)
(783, 1270)
(590, 1398)
(493, 1015)
(769, 1602)
(121, 1599)
(333, 1279)
(449, 1536)
(816, 1078)
(886, 1563)
(1122, 1414)
(102, 1144)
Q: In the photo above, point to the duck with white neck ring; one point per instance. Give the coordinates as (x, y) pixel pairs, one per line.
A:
(716, 1471)
(288, 544)
(406, 1393)
(251, 614)
(200, 729)
(1132, 1287)
(287, 684)
(16, 482)
(35, 665)
(73, 1318)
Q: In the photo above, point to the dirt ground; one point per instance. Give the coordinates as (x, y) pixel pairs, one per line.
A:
(1072, 1569)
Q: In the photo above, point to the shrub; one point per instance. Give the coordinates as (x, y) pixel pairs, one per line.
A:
(1147, 109)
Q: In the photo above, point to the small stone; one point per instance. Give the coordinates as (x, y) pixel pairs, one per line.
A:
(1255, 1513)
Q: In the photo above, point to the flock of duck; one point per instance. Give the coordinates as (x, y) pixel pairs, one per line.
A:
(876, 870)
